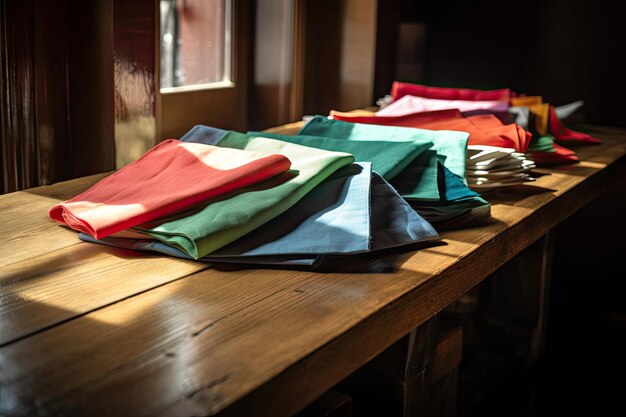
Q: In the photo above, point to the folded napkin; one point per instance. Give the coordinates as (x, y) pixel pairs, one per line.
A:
(558, 156)
(566, 110)
(547, 122)
(483, 129)
(387, 158)
(538, 108)
(171, 177)
(419, 180)
(568, 136)
(412, 104)
(490, 167)
(542, 121)
(400, 89)
(436, 177)
(223, 220)
(449, 144)
(352, 211)
(529, 112)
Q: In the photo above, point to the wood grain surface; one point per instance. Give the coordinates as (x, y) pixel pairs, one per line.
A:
(26, 229)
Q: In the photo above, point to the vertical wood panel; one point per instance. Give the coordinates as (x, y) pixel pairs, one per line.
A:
(3, 162)
(358, 54)
(273, 63)
(340, 51)
(323, 56)
(135, 78)
(19, 157)
(51, 90)
(91, 148)
(296, 99)
(388, 19)
(57, 79)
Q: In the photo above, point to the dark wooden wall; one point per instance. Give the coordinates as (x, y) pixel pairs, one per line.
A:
(564, 50)
(91, 147)
(57, 95)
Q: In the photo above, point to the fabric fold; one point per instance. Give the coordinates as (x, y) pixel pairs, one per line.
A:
(171, 177)
(400, 89)
(483, 129)
(353, 211)
(541, 120)
(387, 158)
(435, 178)
(569, 136)
(419, 180)
(449, 144)
(224, 220)
(413, 104)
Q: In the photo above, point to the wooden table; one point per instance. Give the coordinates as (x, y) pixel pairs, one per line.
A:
(89, 330)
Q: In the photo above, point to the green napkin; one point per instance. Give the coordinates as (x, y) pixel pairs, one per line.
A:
(388, 158)
(448, 146)
(434, 183)
(541, 144)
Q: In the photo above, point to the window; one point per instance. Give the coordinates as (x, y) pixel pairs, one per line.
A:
(196, 45)
(202, 65)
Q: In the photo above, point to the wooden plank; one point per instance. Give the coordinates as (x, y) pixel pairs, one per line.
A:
(519, 294)
(449, 352)
(27, 231)
(142, 323)
(69, 282)
(442, 400)
(422, 348)
(48, 276)
(399, 378)
(444, 396)
(234, 342)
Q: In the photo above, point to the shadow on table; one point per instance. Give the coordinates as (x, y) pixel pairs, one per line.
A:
(381, 261)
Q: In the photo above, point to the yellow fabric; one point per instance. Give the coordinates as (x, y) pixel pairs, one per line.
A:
(526, 100)
(537, 107)
(359, 112)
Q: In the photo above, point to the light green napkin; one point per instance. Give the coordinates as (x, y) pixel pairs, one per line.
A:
(388, 158)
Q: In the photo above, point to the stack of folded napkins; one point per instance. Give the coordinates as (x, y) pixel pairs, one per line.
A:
(491, 167)
(541, 120)
(432, 180)
(227, 197)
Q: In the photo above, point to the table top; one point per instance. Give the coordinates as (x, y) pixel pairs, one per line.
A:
(91, 330)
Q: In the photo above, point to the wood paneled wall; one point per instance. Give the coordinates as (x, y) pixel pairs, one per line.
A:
(136, 80)
(57, 97)
(311, 57)
(19, 144)
(91, 146)
(358, 50)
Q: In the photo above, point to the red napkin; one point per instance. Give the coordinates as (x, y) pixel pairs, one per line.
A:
(563, 134)
(484, 129)
(560, 156)
(400, 89)
(171, 177)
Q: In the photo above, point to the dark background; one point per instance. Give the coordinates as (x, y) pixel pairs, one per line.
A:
(563, 50)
